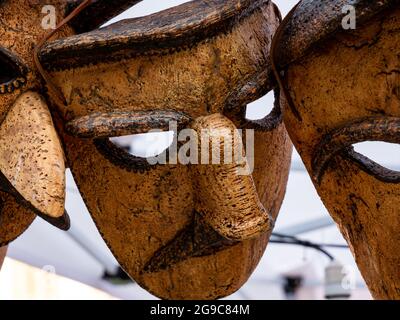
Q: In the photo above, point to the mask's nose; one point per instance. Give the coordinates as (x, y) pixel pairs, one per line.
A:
(228, 199)
(31, 157)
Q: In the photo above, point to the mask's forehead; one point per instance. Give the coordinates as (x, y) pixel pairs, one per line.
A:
(191, 59)
(345, 79)
(353, 79)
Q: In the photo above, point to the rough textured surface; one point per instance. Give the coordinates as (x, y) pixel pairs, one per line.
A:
(124, 123)
(227, 196)
(149, 214)
(14, 218)
(378, 128)
(315, 20)
(205, 75)
(195, 60)
(20, 30)
(172, 253)
(347, 90)
(31, 157)
(184, 25)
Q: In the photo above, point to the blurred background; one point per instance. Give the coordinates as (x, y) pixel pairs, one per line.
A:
(45, 263)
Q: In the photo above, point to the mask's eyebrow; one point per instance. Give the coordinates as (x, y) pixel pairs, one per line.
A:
(386, 129)
(103, 125)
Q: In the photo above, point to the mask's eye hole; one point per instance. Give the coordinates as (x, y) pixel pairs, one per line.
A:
(384, 154)
(11, 72)
(145, 145)
(379, 159)
(261, 108)
(133, 152)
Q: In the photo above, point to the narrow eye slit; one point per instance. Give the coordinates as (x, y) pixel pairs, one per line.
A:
(145, 145)
(261, 108)
(11, 73)
(132, 152)
(385, 154)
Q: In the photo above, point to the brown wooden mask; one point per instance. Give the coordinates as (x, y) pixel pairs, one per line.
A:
(342, 87)
(181, 231)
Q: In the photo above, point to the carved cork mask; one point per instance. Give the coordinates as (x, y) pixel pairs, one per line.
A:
(342, 88)
(180, 231)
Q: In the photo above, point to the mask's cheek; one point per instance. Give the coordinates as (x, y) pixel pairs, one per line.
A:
(272, 159)
(366, 210)
(14, 218)
(137, 211)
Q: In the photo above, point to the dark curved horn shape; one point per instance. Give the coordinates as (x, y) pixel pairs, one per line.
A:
(98, 13)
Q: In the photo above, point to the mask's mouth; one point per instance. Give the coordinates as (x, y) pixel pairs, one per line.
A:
(341, 139)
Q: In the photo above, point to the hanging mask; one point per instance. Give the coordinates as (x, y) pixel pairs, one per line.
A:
(182, 231)
(341, 87)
